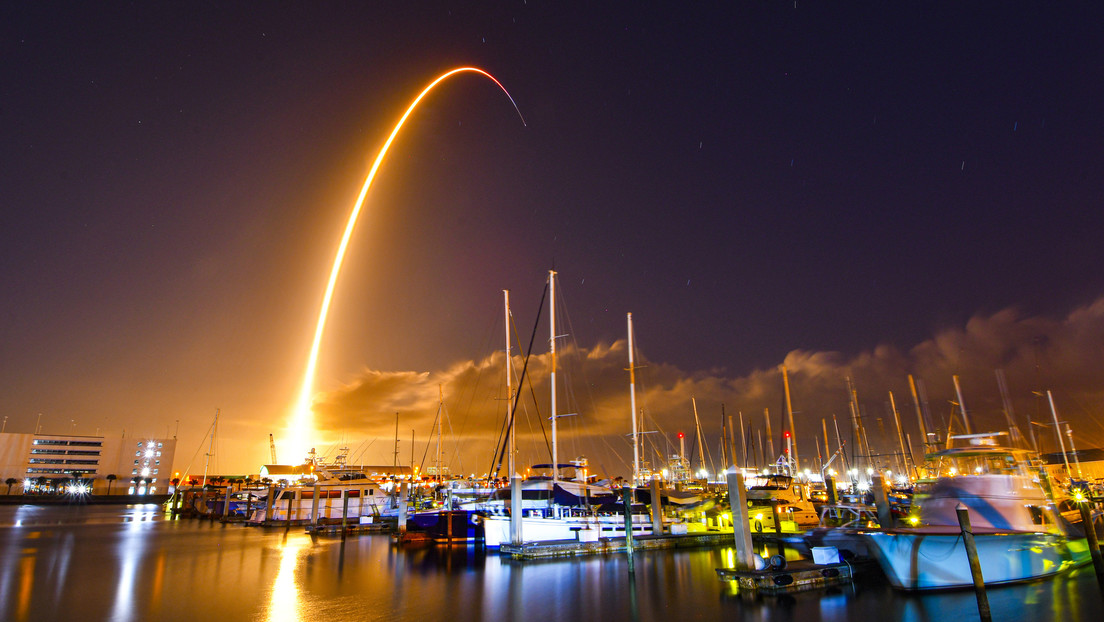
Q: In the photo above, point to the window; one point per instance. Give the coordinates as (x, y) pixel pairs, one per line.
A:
(134, 471)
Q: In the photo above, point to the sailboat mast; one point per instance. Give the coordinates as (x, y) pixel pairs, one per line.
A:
(211, 447)
(509, 379)
(632, 408)
(440, 415)
(919, 414)
(697, 424)
(552, 347)
(789, 413)
(962, 405)
(1057, 432)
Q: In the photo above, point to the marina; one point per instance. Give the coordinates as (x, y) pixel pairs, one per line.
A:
(132, 563)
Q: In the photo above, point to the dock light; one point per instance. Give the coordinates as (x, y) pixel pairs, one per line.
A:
(1078, 495)
(870, 470)
(978, 470)
(952, 472)
(889, 474)
(914, 520)
(864, 486)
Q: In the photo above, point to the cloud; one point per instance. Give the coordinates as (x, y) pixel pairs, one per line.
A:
(1063, 355)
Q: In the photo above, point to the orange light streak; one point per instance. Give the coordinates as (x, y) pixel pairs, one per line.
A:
(301, 426)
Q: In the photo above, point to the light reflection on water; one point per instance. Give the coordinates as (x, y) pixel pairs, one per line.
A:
(116, 563)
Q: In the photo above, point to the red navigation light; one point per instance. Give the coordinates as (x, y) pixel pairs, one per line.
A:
(786, 434)
(681, 435)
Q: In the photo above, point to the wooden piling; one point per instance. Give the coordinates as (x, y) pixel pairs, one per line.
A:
(226, 503)
(344, 511)
(402, 508)
(1094, 544)
(881, 502)
(626, 499)
(314, 504)
(833, 494)
(657, 509)
(269, 500)
(975, 564)
(741, 522)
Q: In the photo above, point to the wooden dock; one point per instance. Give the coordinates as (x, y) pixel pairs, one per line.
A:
(571, 548)
(796, 576)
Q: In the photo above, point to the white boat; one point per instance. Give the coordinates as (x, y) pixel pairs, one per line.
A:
(537, 526)
(1018, 532)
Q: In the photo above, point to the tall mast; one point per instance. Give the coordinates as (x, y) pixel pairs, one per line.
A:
(697, 425)
(789, 412)
(770, 439)
(919, 414)
(962, 406)
(1058, 433)
(211, 447)
(632, 408)
(900, 437)
(552, 346)
(440, 415)
(509, 379)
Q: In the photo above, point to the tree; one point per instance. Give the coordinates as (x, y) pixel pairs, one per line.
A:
(111, 477)
(11, 481)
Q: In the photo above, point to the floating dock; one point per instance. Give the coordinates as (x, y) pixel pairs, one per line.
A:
(572, 548)
(794, 577)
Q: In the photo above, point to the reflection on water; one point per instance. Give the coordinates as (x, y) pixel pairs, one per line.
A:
(115, 563)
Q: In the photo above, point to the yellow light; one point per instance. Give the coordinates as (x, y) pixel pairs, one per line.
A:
(301, 427)
(914, 520)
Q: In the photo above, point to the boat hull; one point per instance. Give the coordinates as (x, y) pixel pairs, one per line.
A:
(926, 561)
(496, 529)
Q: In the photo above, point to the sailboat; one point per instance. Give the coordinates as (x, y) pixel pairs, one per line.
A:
(551, 507)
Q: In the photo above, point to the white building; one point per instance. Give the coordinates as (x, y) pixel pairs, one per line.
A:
(31, 457)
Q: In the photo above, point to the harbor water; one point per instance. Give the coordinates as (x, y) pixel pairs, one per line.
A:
(136, 563)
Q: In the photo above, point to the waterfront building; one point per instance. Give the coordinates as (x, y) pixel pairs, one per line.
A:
(40, 462)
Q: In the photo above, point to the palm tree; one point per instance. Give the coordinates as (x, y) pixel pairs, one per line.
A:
(111, 477)
(11, 481)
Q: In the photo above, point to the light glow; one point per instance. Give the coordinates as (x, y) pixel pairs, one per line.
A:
(301, 426)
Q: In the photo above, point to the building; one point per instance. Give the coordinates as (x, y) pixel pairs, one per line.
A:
(140, 465)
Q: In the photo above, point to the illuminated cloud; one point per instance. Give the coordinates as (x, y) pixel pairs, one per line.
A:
(1036, 353)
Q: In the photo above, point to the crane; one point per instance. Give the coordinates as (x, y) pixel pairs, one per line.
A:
(272, 448)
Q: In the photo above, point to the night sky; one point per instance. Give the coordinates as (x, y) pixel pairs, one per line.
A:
(857, 191)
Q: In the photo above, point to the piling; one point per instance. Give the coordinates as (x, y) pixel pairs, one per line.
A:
(515, 509)
(777, 517)
(402, 508)
(344, 511)
(975, 564)
(226, 503)
(881, 502)
(830, 485)
(1094, 544)
(626, 499)
(314, 505)
(741, 522)
(657, 509)
(269, 501)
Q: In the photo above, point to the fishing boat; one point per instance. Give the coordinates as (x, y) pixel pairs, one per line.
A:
(1019, 534)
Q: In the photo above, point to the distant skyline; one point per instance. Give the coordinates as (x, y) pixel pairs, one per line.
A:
(851, 191)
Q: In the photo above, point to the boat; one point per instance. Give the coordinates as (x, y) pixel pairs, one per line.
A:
(1019, 534)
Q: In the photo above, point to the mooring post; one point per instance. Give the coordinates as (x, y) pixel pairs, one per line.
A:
(1094, 544)
(402, 508)
(344, 510)
(626, 499)
(657, 508)
(314, 504)
(226, 504)
(741, 522)
(881, 502)
(515, 510)
(777, 516)
(269, 501)
(830, 488)
(975, 564)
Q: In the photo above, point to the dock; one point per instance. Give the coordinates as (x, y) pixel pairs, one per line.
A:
(572, 548)
(796, 576)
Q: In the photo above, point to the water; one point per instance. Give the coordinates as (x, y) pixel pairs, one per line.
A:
(134, 563)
